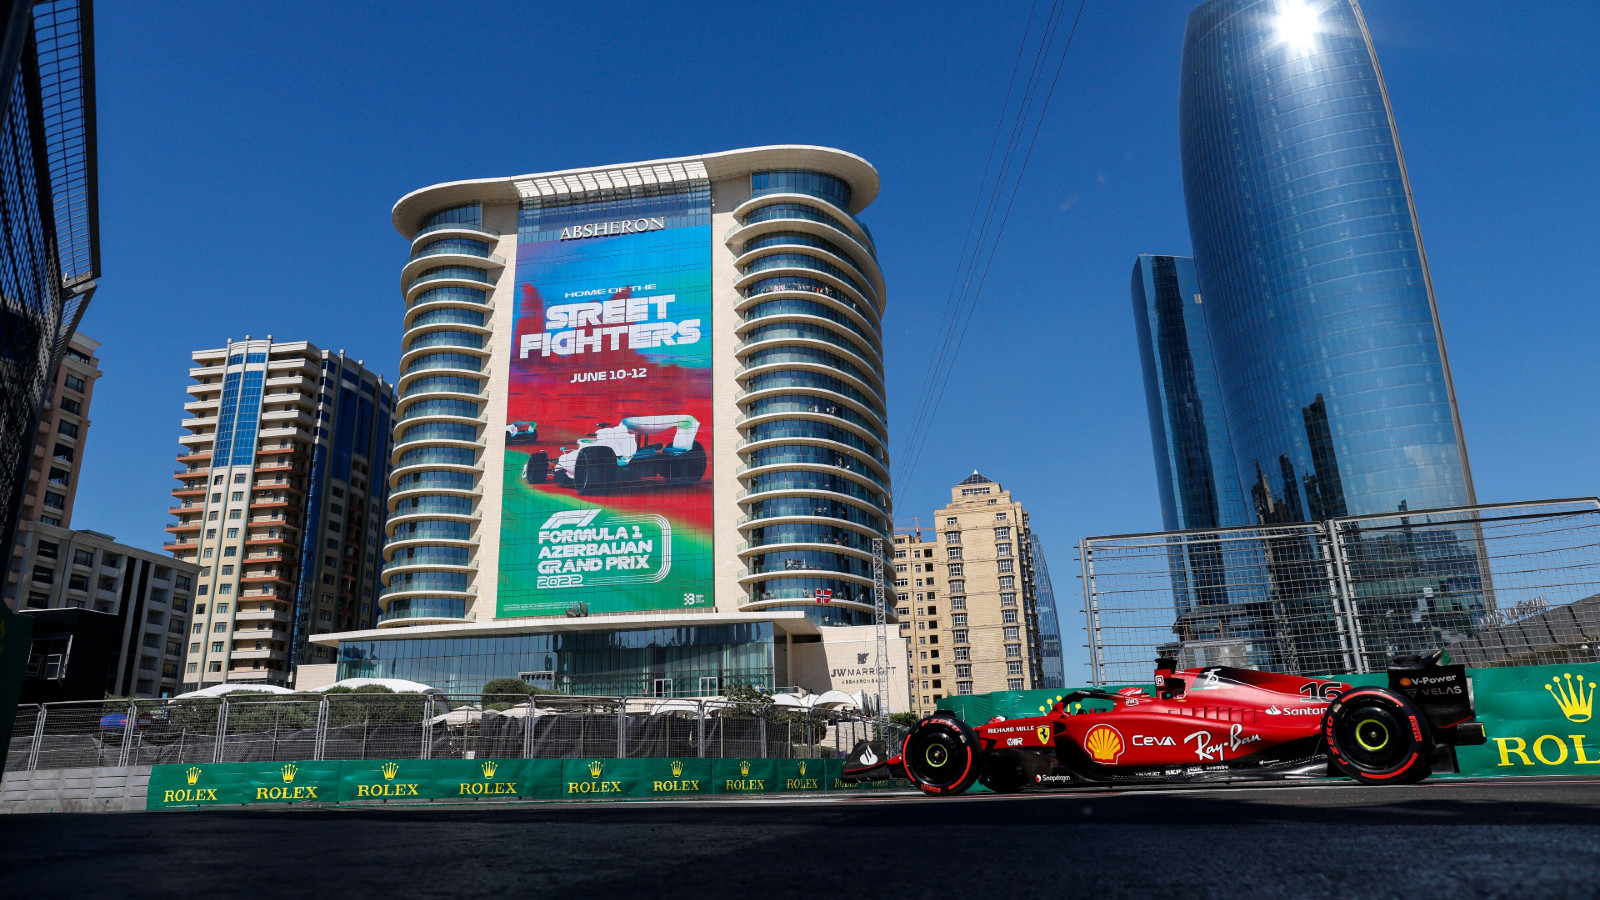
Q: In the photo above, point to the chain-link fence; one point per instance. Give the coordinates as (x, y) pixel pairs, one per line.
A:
(256, 728)
(1496, 585)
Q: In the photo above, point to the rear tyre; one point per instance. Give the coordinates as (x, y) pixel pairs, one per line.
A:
(941, 755)
(1377, 736)
(537, 471)
(594, 469)
(689, 466)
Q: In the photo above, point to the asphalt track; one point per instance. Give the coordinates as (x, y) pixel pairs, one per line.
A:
(1444, 839)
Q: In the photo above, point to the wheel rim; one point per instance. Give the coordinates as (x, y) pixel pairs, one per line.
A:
(1373, 737)
(938, 757)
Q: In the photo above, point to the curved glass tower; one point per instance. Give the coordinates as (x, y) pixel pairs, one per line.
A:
(1321, 313)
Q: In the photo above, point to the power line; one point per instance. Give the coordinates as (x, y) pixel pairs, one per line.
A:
(949, 341)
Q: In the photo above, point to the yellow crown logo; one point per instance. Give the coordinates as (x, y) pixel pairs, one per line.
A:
(193, 774)
(744, 767)
(289, 770)
(802, 767)
(677, 768)
(1104, 743)
(595, 768)
(1575, 703)
(1046, 708)
(489, 768)
(390, 770)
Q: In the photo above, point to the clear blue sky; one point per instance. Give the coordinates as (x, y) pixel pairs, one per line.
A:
(250, 154)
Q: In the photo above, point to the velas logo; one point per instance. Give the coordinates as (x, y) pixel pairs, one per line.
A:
(289, 770)
(1576, 704)
(1104, 743)
(596, 769)
(389, 788)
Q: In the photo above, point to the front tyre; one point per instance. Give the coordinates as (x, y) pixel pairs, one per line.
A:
(941, 755)
(1377, 736)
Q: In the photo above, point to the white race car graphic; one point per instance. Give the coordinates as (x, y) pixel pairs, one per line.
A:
(615, 455)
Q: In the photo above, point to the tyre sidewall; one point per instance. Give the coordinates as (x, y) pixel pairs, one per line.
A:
(964, 735)
(1413, 767)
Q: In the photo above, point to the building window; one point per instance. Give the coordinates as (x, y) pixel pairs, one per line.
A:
(54, 500)
(71, 406)
(1014, 684)
(958, 603)
(1008, 582)
(1002, 549)
(963, 670)
(1014, 667)
(1008, 599)
(1005, 565)
(66, 429)
(963, 687)
(237, 497)
(1011, 633)
(82, 557)
(958, 620)
(214, 667)
(216, 646)
(959, 635)
(953, 553)
(1003, 534)
(952, 537)
(1008, 616)
(206, 553)
(963, 653)
(234, 514)
(75, 383)
(1013, 651)
(225, 589)
(232, 532)
(955, 569)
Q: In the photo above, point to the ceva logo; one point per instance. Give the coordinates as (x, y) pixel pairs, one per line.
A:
(1575, 704)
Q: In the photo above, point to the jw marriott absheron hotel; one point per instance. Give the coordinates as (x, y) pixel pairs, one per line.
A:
(640, 440)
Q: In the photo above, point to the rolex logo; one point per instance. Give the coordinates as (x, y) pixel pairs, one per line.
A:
(595, 768)
(489, 768)
(390, 769)
(744, 767)
(192, 775)
(677, 768)
(289, 770)
(802, 767)
(1576, 703)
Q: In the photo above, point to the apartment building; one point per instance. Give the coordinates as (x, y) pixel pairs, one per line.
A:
(281, 503)
(968, 604)
(136, 602)
(63, 431)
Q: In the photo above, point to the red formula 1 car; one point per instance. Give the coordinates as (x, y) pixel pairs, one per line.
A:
(1210, 724)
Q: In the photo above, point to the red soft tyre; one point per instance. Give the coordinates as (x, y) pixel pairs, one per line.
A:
(1377, 736)
(941, 755)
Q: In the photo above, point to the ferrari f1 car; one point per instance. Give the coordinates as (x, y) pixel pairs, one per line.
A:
(1209, 724)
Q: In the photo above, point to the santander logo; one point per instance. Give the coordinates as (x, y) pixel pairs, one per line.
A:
(1296, 711)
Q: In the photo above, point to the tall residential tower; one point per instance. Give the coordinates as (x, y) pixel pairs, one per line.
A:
(281, 502)
(641, 443)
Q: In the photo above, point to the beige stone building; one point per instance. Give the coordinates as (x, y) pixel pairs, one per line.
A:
(966, 597)
(280, 501)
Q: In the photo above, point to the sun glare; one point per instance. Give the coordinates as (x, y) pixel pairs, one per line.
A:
(1297, 25)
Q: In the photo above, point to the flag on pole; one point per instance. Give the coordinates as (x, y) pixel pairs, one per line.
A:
(824, 595)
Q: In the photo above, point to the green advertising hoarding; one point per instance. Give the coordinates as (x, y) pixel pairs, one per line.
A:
(16, 640)
(380, 781)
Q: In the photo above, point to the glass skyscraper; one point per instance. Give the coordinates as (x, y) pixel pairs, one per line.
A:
(1321, 316)
(1194, 459)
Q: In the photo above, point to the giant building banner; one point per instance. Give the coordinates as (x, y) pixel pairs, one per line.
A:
(607, 494)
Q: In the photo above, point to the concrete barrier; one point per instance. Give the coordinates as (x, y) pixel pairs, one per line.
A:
(105, 789)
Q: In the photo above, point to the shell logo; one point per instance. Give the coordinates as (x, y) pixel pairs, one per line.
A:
(1104, 743)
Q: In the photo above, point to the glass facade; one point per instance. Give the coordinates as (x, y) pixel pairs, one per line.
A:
(632, 662)
(1320, 311)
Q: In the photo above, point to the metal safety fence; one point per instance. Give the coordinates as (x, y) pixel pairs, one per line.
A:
(1495, 585)
(245, 727)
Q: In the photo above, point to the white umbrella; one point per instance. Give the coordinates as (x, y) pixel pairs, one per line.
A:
(838, 700)
(398, 685)
(464, 715)
(670, 706)
(217, 690)
(793, 701)
(521, 712)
